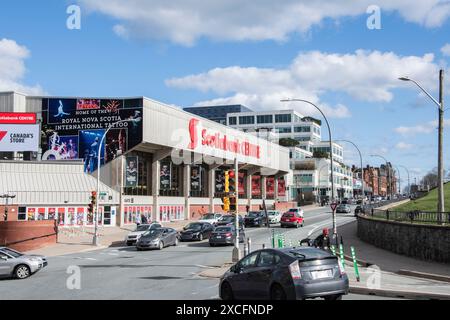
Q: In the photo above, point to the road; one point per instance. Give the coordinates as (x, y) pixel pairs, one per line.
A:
(123, 273)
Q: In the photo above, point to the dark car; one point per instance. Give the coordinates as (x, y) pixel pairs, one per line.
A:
(196, 231)
(229, 220)
(157, 239)
(225, 235)
(285, 274)
(343, 208)
(255, 219)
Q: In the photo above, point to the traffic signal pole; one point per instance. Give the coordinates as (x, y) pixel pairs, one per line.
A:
(236, 253)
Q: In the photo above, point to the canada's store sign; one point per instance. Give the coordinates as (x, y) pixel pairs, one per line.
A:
(19, 138)
(220, 141)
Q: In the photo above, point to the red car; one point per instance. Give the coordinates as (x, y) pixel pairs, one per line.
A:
(292, 219)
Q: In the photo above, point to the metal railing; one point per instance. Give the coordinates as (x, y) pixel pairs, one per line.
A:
(416, 216)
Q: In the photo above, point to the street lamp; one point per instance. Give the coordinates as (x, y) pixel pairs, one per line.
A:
(7, 197)
(331, 155)
(440, 104)
(409, 183)
(99, 156)
(389, 184)
(362, 168)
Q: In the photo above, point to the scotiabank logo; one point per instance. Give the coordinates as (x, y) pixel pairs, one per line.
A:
(221, 141)
(193, 134)
(2, 134)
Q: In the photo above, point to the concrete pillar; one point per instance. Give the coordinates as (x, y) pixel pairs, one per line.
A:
(211, 188)
(248, 182)
(121, 185)
(187, 190)
(156, 184)
(263, 187)
(275, 188)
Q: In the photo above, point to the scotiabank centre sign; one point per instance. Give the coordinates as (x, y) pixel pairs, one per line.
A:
(221, 141)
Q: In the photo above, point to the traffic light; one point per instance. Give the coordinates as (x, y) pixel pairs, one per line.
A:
(232, 204)
(226, 204)
(232, 181)
(93, 202)
(227, 181)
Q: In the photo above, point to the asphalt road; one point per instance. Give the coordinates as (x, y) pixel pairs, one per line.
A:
(124, 273)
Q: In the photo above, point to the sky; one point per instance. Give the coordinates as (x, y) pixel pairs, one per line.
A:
(255, 53)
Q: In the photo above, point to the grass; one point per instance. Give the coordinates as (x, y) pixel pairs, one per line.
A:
(427, 203)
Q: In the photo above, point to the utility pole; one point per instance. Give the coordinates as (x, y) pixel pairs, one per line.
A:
(441, 206)
(236, 252)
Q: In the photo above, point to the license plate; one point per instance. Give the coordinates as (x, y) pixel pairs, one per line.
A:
(219, 237)
(321, 274)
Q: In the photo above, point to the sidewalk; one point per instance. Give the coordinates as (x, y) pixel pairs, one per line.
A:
(386, 260)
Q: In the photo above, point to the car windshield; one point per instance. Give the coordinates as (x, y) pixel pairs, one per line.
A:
(228, 218)
(152, 233)
(13, 253)
(293, 210)
(194, 226)
(271, 213)
(288, 215)
(208, 216)
(223, 229)
(253, 214)
(142, 227)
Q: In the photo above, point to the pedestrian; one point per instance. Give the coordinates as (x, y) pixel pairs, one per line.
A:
(144, 219)
(323, 241)
(138, 220)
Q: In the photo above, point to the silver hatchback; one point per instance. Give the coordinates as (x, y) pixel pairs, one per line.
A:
(19, 265)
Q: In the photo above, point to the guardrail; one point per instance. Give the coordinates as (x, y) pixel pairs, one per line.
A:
(412, 216)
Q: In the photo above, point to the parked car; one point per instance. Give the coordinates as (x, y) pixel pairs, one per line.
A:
(211, 218)
(296, 210)
(134, 236)
(343, 208)
(274, 216)
(255, 219)
(292, 219)
(158, 238)
(225, 235)
(14, 264)
(230, 219)
(196, 231)
(285, 274)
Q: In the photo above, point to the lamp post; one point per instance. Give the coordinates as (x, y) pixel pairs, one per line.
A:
(362, 168)
(6, 197)
(99, 157)
(331, 155)
(440, 104)
(409, 183)
(236, 255)
(389, 184)
(399, 180)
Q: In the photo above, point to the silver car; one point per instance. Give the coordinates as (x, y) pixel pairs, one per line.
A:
(134, 236)
(19, 265)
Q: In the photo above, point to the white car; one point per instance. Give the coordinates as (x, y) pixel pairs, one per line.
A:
(211, 218)
(134, 236)
(274, 216)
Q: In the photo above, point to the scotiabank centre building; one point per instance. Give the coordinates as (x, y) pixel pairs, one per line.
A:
(156, 160)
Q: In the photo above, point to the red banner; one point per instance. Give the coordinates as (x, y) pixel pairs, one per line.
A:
(256, 185)
(17, 118)
(281, 188)
(241, 182)
(270, 186)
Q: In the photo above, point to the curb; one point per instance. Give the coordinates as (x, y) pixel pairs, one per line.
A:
(424, 275)
(391, 293)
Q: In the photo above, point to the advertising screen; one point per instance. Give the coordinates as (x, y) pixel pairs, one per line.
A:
(73, 129)
(19, 138)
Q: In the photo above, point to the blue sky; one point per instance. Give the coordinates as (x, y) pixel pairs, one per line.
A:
(186, 55)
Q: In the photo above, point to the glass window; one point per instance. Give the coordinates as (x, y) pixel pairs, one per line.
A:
(265, 118)
(232, 121)
(247, 120)
(284, 130)
(266, 259)
(283, 118)
(302, 129)
(249, 261)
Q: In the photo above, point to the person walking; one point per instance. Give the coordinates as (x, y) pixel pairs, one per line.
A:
(138, 220)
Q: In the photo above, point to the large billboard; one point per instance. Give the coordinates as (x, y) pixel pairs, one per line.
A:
(19, 138)
(73, 129)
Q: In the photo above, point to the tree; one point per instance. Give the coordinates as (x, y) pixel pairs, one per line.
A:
(321, 154)
(288, 142)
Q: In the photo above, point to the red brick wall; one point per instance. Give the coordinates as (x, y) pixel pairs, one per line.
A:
(284, 206)
(27, 235)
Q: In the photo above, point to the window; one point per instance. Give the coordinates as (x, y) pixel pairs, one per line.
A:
(247, 120)
(283, 118)
(232, 121)
(265, 118)
(266, 259)
(250, 261)
(284, 130)
(22, 214)
(303, 138)
(302, 129)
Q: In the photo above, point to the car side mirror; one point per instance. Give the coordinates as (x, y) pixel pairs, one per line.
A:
(4, 258)
(235, 269)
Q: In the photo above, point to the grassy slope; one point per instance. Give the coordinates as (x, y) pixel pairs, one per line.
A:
(427, 203)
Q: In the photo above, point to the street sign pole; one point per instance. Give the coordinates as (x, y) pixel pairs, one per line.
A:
(333, 208)
(236, 253)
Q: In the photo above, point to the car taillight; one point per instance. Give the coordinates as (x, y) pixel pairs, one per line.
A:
(294, 269)
(341, 267)
(229, 234)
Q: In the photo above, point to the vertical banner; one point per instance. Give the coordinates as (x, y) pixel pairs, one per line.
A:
(41, 214)
(281, 187)
(31, 214)
(131, 172)
(166, 175)
(270, 186)
(51, 213)
(196, 178)
(71, 216)
(80, 216)
(241, 182)
(61, 216)
(256, 186)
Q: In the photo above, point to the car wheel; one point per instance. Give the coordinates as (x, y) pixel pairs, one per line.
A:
(200, 237)
(212, 245)
(161, 245)
(296, 225)
(226, 292)
(22, 272)
(277, 293)
(138, 249)
(333, 297)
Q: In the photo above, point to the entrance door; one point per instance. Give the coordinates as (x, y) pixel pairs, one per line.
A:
(107, 216)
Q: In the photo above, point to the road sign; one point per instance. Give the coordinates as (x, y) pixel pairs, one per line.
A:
(334, 206)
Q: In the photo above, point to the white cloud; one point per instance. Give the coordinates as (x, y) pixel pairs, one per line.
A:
(364, 75)
(404, 146)
(12, 68)
(185, 21)
(446, 50)
(424, 128)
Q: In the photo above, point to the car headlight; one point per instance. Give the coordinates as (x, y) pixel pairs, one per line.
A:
(36, 259)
